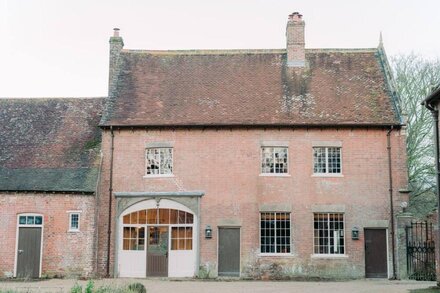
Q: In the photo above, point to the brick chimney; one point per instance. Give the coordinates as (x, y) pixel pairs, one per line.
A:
(296, 53)
(116, 45)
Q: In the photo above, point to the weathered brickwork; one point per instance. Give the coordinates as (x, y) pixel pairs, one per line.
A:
(65, 254)
(226, 165)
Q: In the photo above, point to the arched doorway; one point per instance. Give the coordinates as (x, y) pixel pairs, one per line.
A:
(157, 239)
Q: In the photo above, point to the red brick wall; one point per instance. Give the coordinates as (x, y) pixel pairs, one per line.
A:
(64, 253)
(226, 165)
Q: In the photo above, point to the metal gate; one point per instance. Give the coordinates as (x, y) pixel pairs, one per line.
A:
(420, 249)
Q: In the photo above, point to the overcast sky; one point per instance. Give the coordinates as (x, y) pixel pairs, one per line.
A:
(59, 48)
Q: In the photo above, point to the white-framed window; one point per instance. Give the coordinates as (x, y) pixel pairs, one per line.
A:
(74, 220)
(274, 160)
(30, 220)
(158, 161)
(327, 160)
(275, 232)
(329, 233)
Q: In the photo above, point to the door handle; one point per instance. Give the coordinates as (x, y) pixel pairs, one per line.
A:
(20, 251)
(166, 254)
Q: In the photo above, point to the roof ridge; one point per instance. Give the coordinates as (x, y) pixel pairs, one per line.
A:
(242, 51)
(48, 98)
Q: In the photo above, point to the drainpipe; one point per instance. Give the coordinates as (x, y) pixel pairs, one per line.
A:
(110, 193)
(96, 218)
(435, 113)
(390, 174)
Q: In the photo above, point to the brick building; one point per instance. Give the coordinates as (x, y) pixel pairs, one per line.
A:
(251, 163)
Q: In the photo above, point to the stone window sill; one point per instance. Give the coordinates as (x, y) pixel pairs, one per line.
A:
(329, 256)
(158, 176)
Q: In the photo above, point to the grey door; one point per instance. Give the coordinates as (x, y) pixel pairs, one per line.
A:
(157, 252)
(229, 252)
(376, 253)
(29, 252)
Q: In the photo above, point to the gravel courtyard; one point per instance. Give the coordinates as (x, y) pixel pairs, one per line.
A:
(196, 286)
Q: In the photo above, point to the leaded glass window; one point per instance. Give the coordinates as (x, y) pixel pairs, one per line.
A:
(329, 233)
(275, 232)
(327, 160)
(274, 160)
(159, 161)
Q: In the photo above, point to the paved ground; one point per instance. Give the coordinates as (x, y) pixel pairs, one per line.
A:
(195, 286)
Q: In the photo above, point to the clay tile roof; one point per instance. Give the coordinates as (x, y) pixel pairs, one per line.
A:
(49, 144)
(251, 87)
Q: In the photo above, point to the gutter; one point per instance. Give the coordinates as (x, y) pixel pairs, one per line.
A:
(110, 193)
(390, 174)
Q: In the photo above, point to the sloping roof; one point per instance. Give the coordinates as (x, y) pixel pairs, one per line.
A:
(250, 87)
(49, 144)
(433, 97)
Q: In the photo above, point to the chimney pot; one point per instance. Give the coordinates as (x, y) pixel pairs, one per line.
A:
(116, 32)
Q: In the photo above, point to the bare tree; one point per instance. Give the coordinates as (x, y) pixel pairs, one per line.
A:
(415, 78)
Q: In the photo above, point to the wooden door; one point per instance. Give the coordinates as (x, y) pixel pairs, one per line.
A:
(157, 252)
(376, 253)
(29, 252)
(229, 252)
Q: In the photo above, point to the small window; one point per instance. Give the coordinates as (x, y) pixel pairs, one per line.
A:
(181, 238)
(274, 160)
(275, 232)
(74, 222)
(327, 160)
(159, 161)
(329, 233)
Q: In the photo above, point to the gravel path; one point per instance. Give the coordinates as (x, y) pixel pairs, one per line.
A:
(196, 286)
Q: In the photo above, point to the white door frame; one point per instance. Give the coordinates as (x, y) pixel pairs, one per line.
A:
(17, 236)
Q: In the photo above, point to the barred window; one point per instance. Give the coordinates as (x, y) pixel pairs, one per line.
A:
(275, 232)
(329, 233)
(327, 160)
(159, 161)
(274, 160)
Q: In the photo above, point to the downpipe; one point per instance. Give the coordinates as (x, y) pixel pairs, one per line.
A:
(390, 174)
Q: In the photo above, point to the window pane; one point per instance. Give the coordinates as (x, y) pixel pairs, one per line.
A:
(142, 217)
(182, 217)
(188, 244)
(152, 216)
(22, 220)
(188, 233)
(126, 244)
(174, 244)
(134, 218)
(173, 216)
(38, 220)
(164, 216)
(126, 219)
(30, 220)
(189, 218)
(126, 232)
